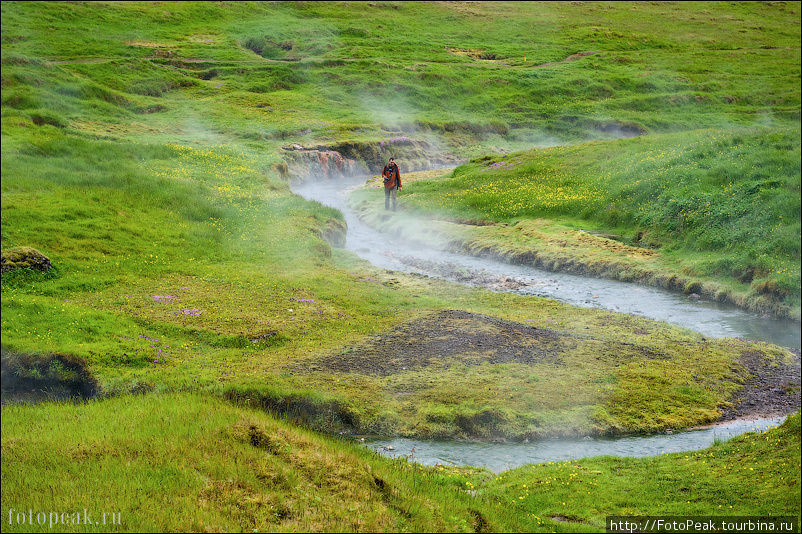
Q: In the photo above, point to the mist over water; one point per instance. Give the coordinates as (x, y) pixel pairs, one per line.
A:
(384, 250)
(707, 318)
(500, 457)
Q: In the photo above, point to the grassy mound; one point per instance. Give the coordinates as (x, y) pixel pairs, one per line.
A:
(24, 258)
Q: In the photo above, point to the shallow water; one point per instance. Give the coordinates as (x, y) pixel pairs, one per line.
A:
(708, 318)
(499, 457)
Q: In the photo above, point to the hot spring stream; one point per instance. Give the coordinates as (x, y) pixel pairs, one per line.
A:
(708, 318)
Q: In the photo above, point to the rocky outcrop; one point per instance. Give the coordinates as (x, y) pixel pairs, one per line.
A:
(303, 162)
(24, 258)
(352, 158)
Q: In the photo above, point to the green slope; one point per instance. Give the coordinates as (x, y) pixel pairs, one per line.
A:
(187, 462)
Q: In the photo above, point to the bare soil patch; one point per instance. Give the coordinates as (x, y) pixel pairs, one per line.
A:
(772, 390)
(447, 338)
(455, 337)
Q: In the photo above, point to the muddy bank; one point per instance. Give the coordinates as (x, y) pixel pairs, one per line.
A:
(464, 275)
(772, 389)
(577, 254)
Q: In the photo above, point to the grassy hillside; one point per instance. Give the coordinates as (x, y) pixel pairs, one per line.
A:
(481, 75)
(190, 463)
(139, 158)
(187, 462)
(143, 154)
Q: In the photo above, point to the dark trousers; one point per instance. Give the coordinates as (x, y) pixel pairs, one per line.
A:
(388, 194)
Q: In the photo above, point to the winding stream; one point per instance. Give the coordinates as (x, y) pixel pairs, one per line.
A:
(708, 318)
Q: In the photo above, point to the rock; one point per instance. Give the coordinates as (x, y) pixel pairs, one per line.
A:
(24, 258)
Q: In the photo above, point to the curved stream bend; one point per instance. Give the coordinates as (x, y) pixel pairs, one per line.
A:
(708, 318)
(499, 457)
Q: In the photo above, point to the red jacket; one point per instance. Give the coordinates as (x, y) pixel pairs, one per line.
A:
(392, 176)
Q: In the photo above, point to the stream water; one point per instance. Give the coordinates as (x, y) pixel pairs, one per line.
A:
(708, 318)
(503, 456)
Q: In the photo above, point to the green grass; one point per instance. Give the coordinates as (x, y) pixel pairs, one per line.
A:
(151, 183)
(192, 68)
(141, 152)
(751, 475)
(196, 244)
(190, 462)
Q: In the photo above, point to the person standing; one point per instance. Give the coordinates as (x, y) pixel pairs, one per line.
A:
(392, 183)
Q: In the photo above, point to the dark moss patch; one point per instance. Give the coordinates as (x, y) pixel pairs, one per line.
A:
(309, 410)
(36, 377)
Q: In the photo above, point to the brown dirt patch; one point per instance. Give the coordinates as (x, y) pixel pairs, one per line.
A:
(773, 388)
(455, 337)
(446, 338)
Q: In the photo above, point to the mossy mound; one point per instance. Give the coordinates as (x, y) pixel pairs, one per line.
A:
(24, 258)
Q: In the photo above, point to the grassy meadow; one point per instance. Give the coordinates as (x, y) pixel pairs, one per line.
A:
(142, 153)
(192, 462)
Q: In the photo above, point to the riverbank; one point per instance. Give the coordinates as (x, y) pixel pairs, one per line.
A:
(207, 465)
(750, 475)
(611, 209)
